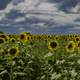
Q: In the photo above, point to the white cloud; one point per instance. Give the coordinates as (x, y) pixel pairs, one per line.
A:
(47, 6)
(43, 10)
(21, 29)
(76, 9)
(19, 19)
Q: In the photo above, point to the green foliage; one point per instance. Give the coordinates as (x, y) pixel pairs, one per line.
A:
(37, 61)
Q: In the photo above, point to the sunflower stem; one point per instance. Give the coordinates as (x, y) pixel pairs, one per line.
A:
(11, 72)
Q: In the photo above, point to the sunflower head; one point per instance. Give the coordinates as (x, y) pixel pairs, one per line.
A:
(77, 39)
(22, 36)
(25, 37)
(12, 40)
(44, 37)
(14, 52)
(78, 46)
(53, 45)
(28, 37)
(2, 40)
(70, 46)
(5, 36)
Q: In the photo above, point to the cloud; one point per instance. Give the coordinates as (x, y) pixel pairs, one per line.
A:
(45, 14)
(66, 5)
(3, 4)
(19, 19)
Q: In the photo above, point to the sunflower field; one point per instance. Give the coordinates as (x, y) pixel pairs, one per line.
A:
(26, 56)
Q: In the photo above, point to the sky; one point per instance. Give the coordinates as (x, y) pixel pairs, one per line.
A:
(40, 16)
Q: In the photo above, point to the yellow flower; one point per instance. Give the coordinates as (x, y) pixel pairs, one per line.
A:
(77, 38)
(25, 37)
(22, 37)
(29, 38)
(70, 46)
(69, 37)
(14, 51)
(78, 46)
(2, 40)
(44, 37)
(53, 45)
(4, 36)
(12, 39)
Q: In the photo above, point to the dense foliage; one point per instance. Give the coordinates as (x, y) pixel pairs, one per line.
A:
(28, 56)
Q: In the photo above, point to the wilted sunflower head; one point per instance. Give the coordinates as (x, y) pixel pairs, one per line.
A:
(14, 51)
(53, 45)
(70, 46)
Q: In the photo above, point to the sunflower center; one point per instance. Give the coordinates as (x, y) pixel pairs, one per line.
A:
(53, 44)
(13, 40)
(77, 39)
(1, 41)
(28, 38)
(13, 51)
(70, 46)
(22, 36)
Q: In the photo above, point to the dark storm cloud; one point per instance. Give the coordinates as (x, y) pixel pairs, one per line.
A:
(4, 3)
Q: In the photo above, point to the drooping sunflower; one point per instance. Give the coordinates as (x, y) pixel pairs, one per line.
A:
(70, 47)
(53, 45)
(13, 52)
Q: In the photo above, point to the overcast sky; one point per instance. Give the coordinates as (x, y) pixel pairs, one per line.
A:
(40, 16)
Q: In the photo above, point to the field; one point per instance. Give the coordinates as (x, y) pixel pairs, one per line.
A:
(28, 56)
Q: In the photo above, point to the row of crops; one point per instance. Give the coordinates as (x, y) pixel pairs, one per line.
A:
(26, 56)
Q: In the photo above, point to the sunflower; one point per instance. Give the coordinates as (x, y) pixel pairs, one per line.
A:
(2, 40)
(78, 46)
(28, 37)
(25, 37)
(4, 36)
(44, 37)
(12, 39)
(69, 37)
(22, 37)
(53, 45)
(75, 37)
(70, 46)
(14, 51)
(37, 37)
